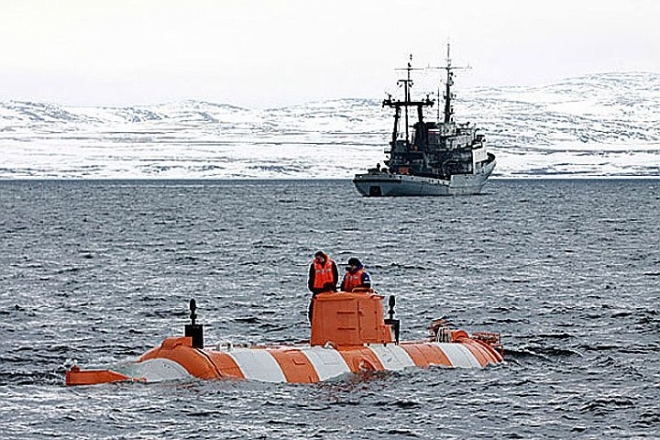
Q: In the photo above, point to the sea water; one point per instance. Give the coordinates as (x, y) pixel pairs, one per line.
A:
(97, 272)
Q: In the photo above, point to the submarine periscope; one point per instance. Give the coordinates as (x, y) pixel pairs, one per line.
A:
(349, 334)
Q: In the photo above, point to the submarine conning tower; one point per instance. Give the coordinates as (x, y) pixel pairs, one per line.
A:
(342, 319)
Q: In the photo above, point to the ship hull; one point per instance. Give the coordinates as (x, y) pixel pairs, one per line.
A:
(177, 359)
(349, 334)
(404, 185)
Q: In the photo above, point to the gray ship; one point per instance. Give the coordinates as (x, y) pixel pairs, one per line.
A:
(442, 158)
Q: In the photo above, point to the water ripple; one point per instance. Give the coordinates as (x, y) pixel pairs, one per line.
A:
(96, 273)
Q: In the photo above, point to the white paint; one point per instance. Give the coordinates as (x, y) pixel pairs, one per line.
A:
(258, 364)
(392, 357)
(159, 370)
(327, 362)
(459, 355)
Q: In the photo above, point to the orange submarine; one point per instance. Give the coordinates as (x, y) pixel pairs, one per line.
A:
(349, 335)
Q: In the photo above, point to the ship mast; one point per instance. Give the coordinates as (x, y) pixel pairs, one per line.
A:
(448, 111)
(407, 102)
(449, 83)
(407, 84)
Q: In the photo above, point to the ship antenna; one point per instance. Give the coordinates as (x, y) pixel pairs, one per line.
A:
(448, 112)
(450, 82)
(407, 84)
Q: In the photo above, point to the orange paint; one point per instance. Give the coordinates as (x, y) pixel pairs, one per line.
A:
(425, 354)
(361, 359)
(457, 335)
(493, 355)
(224, 364)
(295, 365)
(180, 350)
(76, 376)
(477, 351)
(349, 319)
(344, 323)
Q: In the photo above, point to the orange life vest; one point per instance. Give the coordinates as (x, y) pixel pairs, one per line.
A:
(323, 274)
(352, 280)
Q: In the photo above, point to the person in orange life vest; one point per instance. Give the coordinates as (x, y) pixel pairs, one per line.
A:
(323, 277)
(355, 276)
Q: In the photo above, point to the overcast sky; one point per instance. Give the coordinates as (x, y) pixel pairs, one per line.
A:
(262, 53)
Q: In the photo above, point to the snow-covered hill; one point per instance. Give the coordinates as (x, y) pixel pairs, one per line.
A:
(596, 125)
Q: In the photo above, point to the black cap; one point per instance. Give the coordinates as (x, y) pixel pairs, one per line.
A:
(319, 254)
(353, 262)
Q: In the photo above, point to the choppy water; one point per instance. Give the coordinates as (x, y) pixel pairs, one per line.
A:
(99, 272)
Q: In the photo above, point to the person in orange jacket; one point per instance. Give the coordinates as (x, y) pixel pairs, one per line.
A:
(323, 277)
(355, 276)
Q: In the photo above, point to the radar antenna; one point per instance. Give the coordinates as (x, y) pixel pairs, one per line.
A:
(448, 111)
(407, 83)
